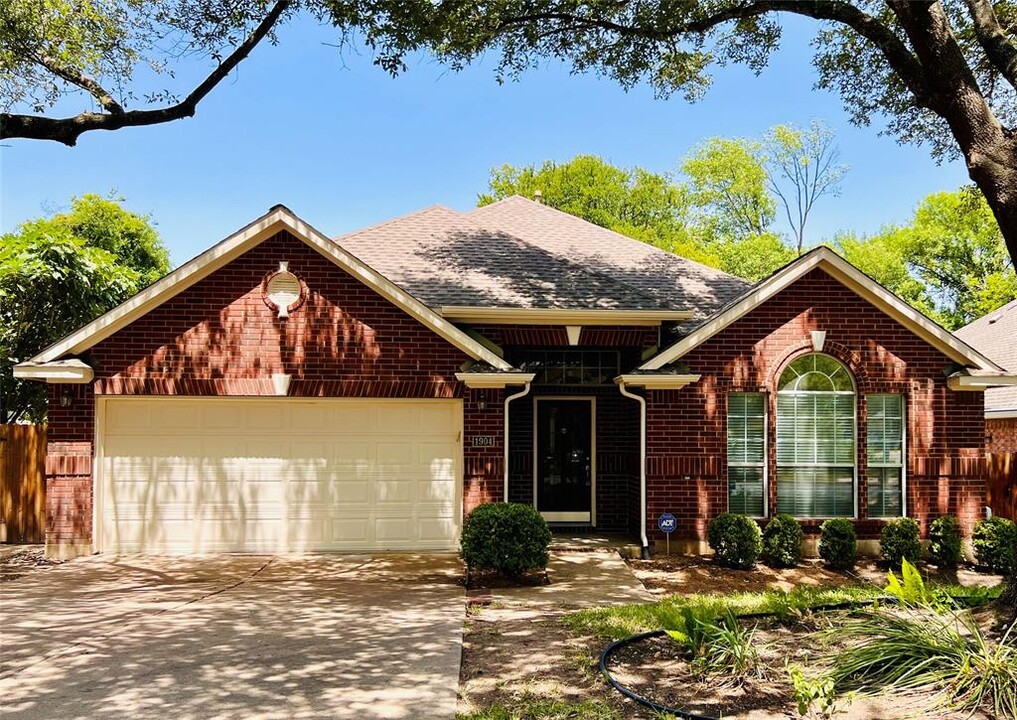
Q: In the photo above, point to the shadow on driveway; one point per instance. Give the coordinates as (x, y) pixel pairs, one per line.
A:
(234, 636)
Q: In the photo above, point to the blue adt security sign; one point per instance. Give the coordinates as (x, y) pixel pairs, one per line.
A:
(667, 523)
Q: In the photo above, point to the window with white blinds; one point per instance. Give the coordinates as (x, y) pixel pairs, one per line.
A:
(885, 455)
(746, 453)
(816, 439)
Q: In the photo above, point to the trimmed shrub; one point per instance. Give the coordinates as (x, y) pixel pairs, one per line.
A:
(945, 541)
(899, 541)
(509, 538)
(736, 540)
(995, 542)
(838, 542)
(782, 542)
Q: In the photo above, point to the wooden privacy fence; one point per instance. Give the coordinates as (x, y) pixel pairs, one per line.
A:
(1001, 485)
(22, 482)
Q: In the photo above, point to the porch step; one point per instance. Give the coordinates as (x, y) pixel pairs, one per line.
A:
(573, 543)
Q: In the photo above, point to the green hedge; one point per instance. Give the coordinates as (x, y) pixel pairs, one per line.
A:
(782, 542)
(995, 542)
(899, 541)
(838, 543)
(509, 538)
(736, 540)
(945, 541)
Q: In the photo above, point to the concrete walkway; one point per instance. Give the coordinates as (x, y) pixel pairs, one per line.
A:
(579, 580)
(233, 636)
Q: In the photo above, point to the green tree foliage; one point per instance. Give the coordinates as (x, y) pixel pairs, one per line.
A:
(949, 261)
(703, 218)
(58, 273)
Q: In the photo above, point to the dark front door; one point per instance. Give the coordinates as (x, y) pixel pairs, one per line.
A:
(564, 461)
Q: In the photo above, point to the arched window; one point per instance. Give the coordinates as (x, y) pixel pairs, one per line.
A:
(816, 443)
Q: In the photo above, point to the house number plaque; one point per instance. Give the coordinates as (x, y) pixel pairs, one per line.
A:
(483, 441)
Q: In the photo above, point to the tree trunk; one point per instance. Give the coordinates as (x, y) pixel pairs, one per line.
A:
(995, 174)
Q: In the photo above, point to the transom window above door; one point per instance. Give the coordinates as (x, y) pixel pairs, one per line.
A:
(569, 367)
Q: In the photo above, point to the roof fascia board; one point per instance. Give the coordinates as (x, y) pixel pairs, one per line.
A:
(232, 247)
(494, 380)
(978, 383)
(555, 316)
(72, 372)
(1001, 414)
(657, 382)
(841, 270)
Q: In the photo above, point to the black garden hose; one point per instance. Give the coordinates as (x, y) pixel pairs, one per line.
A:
(605, 656)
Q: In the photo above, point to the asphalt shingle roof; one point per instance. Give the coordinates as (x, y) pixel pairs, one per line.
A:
(995, 336)
(678, 283)
(443, 258)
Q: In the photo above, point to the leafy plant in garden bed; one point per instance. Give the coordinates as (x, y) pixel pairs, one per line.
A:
(782, 542)
(995, 543)
(945, 541)
(735, 539)
(508, 538)
(838, 543)
(718, 646)
(899, 541)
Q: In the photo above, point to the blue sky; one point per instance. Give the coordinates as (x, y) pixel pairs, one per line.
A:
(344, 145)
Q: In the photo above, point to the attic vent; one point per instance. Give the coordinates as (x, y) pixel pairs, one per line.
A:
(283, 290)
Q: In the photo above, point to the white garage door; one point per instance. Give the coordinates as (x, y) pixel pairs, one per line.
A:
(278, 475)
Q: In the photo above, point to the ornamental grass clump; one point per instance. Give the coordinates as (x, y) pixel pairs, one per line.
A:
(718, 646)
(508, 538)
(899, 541)
(782, 542)
(947, 654)
(736, 540)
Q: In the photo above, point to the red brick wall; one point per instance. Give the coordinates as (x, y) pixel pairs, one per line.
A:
(219, 337)
(1001, 435)
(686, 465)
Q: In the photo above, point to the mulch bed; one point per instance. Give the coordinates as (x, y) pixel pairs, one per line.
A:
(18, 563)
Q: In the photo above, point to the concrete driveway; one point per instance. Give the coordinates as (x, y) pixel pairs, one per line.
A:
(229, 636)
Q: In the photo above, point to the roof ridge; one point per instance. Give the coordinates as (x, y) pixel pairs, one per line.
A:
(398, 218)
(654, 248)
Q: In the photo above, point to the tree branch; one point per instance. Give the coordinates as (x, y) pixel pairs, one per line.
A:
(897, 54)
(68, 130)
(84, 82)
(998, 48)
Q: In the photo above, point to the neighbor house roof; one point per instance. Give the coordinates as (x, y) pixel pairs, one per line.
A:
(995, 335)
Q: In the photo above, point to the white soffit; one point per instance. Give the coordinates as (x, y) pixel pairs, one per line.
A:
(278, 218)
(841, 270)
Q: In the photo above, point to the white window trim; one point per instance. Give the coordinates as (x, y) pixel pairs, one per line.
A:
(766, 454)
(903, 458)
(858, 445)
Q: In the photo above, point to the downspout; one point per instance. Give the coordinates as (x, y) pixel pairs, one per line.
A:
(505, 437)
(644, 542)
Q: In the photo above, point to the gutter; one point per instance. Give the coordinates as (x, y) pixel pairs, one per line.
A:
(505, 436)
(643, 541)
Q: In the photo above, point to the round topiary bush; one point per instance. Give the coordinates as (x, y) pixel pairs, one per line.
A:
(945, 541)
(782, 542)
(899, 541)
(995, 542)
(508, 538)
(837, 543)
(736, 540)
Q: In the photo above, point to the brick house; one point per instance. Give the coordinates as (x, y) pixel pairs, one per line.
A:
(995, 335)
(288, 391)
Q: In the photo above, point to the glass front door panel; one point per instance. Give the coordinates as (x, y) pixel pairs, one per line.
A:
(565, 459)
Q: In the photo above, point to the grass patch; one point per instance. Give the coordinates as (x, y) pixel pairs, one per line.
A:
(540, 709)
(668, 614)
